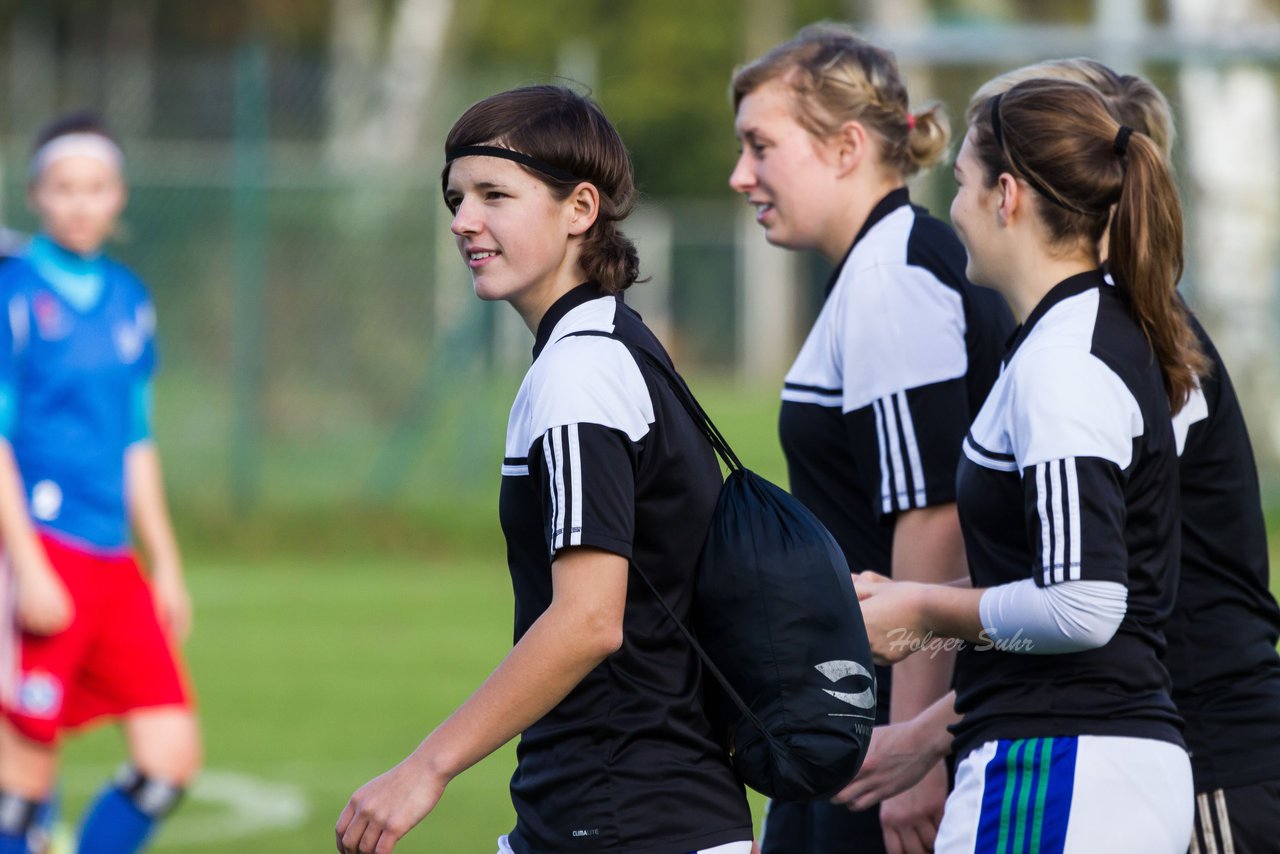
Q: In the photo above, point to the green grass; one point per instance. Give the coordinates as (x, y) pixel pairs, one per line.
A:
(330, 638)
(315, 675)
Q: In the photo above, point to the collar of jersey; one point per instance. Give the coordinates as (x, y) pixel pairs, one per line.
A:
(890, 203)
(583, 293)
(1067, 288)
(78, 280)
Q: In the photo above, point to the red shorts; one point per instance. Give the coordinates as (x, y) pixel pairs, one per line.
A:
(114, 658)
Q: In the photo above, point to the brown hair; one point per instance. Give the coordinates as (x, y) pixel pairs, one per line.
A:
(558, 126)
(1133, 100)
(1060, 138)
(837, 77)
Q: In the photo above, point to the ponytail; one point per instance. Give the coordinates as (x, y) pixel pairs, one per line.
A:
(928, 135)
(609, 258)
(1146, 261)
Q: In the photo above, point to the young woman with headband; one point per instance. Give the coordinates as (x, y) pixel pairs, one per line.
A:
(900, 358)
(79, 472)
(1224, 627)
(1067, 490)
(603, 469)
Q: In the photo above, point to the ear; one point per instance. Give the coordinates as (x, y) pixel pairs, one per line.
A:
(851, 145)
(1010, 197)
(584, 207)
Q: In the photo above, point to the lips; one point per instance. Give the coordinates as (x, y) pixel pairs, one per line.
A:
(762, 210)
(479, 257)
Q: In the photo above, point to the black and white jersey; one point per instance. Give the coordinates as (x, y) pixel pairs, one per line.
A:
(1070, 473)
(1224, 627)
(875, 407)
(600, 453)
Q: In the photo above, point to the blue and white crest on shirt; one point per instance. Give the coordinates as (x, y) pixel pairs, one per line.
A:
(39, 695)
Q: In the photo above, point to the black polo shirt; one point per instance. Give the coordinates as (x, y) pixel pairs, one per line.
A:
(1070, 473)
(1224, 627)
(600, 453)
(876, 405)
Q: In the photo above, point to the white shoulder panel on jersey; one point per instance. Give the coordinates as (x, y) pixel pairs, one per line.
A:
(903, 329)
(589, 380)
(887, 327)
(1065, 402)
(1196, 409)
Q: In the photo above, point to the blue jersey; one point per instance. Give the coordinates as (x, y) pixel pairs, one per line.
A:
(71, 380)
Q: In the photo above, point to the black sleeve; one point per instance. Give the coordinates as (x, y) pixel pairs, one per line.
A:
(1075, 516)
(907, 445)
(585, 475)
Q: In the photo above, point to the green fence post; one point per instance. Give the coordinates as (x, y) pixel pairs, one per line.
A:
(249, 255)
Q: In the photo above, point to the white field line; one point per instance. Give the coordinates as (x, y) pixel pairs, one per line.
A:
(250, 806)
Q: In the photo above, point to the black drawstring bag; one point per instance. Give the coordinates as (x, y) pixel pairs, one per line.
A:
(777, 624)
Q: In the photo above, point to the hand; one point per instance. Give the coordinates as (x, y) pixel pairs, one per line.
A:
(891, 614)
(44, 606)
(865, 582)
(173, 602)
(895, 762)
(383, 810)
(910, 820)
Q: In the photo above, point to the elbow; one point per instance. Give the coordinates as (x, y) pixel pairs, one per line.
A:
(600, 633)
(1096, 634)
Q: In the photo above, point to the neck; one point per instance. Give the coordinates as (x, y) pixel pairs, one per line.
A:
(533, 304)
(1031, 281)
(863, 192)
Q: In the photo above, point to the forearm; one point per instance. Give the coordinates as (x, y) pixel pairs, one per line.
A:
(554, 655)
(951, 612)
(148, 509)
(928, 548)
(931, 725)
(17, 533)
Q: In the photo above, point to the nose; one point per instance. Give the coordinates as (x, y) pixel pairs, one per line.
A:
(464, 220)
(743, 177)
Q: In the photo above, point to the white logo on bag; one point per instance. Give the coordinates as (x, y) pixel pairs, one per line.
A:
(837, 670)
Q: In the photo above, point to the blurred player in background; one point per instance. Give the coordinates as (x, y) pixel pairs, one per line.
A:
(901, 356)
(79, 472)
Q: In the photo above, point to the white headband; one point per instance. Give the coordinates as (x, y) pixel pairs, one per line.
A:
(83, 144)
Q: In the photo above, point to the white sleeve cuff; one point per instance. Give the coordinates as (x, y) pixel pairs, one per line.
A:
(1071, 616)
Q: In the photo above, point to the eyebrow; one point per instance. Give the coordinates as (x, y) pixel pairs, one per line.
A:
(479, 185)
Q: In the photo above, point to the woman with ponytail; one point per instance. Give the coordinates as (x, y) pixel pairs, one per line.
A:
(1222, 635)
(901, 356)
(1068, 491)
(603, 469)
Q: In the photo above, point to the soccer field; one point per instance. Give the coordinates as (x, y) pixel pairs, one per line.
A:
(312, 677)
(314, 674)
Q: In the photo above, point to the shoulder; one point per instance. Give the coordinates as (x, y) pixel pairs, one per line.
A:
(901, 325)
(934, 246)
(589, 379)
(126, 278)
(1066, 402)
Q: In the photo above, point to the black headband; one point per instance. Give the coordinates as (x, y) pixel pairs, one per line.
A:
(997, 131)
(516, 156)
